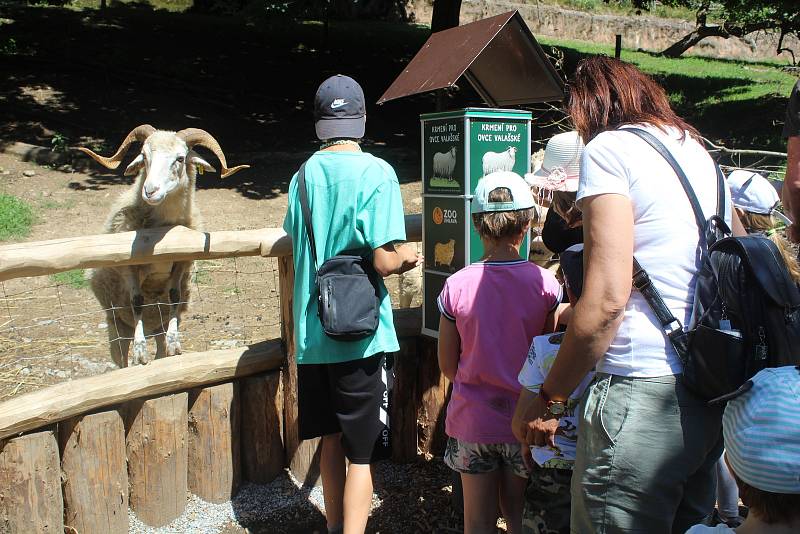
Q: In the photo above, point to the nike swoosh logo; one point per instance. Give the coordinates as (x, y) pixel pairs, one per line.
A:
(338, 103)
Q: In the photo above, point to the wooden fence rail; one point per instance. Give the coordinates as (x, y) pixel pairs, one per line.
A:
(177, 243)
(160, 377)
(153, 432)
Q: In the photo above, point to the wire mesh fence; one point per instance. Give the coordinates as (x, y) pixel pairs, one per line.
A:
(53, 328)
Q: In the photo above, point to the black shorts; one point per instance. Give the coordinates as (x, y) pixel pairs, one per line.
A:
(351, 398)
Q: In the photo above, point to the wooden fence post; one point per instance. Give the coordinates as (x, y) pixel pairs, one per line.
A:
(403, 419)
(214, 459)
(263, 456)
(301, 456)
(30, 485)
(434, 388)
(95, 473)
(157, 453)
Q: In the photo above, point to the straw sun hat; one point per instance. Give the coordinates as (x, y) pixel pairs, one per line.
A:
(561, 165)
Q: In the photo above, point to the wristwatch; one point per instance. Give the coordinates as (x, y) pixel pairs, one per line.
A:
(556, 408)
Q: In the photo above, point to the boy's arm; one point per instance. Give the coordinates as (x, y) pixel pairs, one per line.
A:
(449, 348)
(389, 259)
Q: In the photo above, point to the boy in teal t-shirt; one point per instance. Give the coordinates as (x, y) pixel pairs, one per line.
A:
(356, 207)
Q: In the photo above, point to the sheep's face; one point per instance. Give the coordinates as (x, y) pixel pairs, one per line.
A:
(164, 159)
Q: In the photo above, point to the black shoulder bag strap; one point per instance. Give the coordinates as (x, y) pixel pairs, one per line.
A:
(671, 325)
(303, 194)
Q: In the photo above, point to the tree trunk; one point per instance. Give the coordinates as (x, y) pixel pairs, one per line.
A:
(445, 14)
(691, 39)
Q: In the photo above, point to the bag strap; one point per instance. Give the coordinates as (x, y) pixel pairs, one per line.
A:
(303, 194)
(670, 324)
(772, 275)
(659, 147)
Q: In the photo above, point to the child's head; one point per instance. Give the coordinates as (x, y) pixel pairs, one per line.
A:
(755, 200)
(762, 441)
(556, 181)
(572, 267)
(502, 207)
(564, 205)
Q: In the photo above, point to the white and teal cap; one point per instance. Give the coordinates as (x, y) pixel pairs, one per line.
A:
(521, 197)
(761, 430)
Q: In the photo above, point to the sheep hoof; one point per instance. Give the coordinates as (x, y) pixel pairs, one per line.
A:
(173, 344)
(139, 352)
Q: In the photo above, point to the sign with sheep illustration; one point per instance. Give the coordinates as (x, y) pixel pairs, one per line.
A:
(445, 220)
(443, 167)
(458, 149)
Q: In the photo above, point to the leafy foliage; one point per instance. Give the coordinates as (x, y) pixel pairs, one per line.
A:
(737, 18)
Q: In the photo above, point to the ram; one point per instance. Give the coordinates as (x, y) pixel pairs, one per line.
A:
(444, 163)
(163, 194)
(499, 161)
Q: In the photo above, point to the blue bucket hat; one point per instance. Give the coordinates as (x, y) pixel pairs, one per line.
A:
(761, 430)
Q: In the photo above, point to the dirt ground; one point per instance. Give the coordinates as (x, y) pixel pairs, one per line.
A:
(85, 78)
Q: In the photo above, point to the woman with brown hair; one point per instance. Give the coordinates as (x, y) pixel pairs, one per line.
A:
(646, 446)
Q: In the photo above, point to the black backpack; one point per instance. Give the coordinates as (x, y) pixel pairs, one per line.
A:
(745, 291)
(746, 313)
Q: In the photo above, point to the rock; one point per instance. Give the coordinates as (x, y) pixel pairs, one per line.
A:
(25, 371)
(29, 173)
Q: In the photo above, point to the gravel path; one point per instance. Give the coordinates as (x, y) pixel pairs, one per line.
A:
(408, 498)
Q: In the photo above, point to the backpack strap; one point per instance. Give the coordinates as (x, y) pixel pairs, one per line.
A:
(671, 325)
(659, 147)
(772, 275)
(303, 194)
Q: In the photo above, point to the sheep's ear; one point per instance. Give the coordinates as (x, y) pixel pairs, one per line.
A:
(201, 164)
(135, 165)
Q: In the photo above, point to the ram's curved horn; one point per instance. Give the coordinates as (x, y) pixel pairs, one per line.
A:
(140, 133)
(196, 136)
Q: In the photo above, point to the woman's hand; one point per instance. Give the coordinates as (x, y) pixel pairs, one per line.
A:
(542, 431)
(532, 424)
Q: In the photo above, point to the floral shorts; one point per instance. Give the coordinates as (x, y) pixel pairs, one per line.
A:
(477, 458)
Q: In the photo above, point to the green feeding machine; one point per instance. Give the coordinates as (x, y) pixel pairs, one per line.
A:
(503, 62)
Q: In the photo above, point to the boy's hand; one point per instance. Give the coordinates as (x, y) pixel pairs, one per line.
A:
(409, 256)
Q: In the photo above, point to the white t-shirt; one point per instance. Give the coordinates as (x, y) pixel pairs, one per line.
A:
(722, 528)
(666, 237)
(540, 359)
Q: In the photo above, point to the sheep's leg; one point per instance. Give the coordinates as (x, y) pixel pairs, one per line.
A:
(161, 345)
(119, 340)
(133, 276)
(179, 270)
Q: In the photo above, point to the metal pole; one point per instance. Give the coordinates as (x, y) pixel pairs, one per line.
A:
(618, 46)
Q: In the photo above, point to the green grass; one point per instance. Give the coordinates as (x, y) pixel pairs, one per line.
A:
(736, 101)
(16, 217)
(169, 5)
(75, 278)
(58, 205)
(201, 275)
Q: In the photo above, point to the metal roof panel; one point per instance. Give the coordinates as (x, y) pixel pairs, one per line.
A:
(499, 56)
